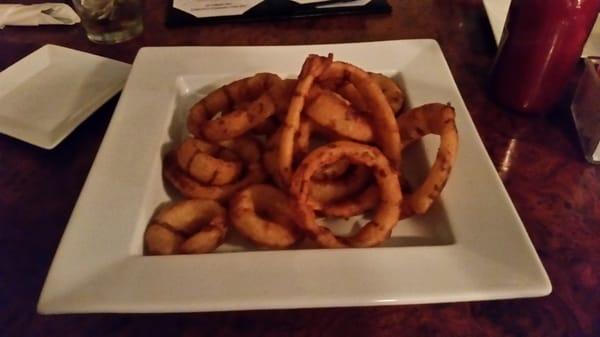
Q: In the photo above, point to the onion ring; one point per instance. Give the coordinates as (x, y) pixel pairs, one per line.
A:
(271, 158)
(387, 212)
(248, 150)
(436, 119)
(268, 127)
(238, 122)
(259, 89)
(201, 161)
(379, 112)
(325, 192)
(186, 227)
(331, 111)
(392, 92)
(313, 66)
(325, 187)
(332, 171)
(365, 201)
(301, 148)
(282, 94)
(263, 214)
(341, 111)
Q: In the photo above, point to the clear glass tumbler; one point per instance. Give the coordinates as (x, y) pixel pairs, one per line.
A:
(110, 21)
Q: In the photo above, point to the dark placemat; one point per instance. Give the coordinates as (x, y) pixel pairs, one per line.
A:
(275, 10)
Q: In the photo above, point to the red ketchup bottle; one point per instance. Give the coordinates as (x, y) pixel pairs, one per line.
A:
(539, 50)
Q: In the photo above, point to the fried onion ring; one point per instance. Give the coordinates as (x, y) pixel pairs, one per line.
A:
(301, 147)
(366, 200)
(332, 171)
(263, 214)
(432, 118)
(248, 150)
(324, 192)
(331, 182)
(436, 119)
(341, 111)
(263, 90)
(331, 111)
(379, 111)
(392, 92)
(186, 227)
(268, 127)
(201, 161)
(313, 67)
(387, 212)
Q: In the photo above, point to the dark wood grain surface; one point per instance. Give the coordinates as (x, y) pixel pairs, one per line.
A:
(556, 193)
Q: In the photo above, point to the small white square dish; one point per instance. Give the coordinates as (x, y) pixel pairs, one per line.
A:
(470, 246)
(48, 93)
(497, 10)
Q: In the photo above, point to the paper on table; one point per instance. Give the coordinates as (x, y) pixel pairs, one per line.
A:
(303, 2)
(354, 3)
(211, 8)
(39, 14)
(333, 3)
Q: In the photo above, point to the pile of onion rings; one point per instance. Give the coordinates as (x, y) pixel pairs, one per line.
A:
(267, 157)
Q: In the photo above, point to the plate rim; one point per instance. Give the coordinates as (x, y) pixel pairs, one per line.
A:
(115, 267)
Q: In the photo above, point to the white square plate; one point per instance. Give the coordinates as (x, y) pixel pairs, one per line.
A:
(48, 93)
(471, 246)
(497, 10)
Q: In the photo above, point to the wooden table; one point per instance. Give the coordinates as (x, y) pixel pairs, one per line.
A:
(556, 193)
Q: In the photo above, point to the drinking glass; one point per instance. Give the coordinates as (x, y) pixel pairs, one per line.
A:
(110, 21)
